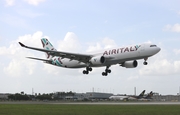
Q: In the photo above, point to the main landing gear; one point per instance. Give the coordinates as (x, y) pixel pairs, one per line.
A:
(107, 70)
(145, 63)
(87, 70)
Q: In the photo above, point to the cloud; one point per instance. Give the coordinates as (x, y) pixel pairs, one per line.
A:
(176, 51)
(161, 67)
(34, 39)
(172, 28)
(20, 67)
(18, 64)
(10, 2)
(162, 64)
(70, 43)
(34, 2)
(106, 43)
(95, 47)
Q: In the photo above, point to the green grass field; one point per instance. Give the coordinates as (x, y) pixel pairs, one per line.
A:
(48, 109)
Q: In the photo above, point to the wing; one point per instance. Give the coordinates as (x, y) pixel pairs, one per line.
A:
(72, 56)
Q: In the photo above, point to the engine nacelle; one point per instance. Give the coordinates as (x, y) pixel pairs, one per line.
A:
(97, 60)
(130, 64)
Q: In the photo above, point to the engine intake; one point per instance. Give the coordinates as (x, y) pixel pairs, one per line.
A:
(97, 60)
(130, 64)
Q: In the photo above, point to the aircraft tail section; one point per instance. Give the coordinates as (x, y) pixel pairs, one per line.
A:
(48, 46)
(142, 93)
(150, 95)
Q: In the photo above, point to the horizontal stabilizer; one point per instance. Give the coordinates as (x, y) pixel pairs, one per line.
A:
(40, 59)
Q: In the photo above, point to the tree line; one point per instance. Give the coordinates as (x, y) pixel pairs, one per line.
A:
(20, 96)
(48, 96)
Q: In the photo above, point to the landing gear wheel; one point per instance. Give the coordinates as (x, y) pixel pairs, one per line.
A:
(104, 74)
(108, 71)
(84, 71)
(145, 63)
(90, 69)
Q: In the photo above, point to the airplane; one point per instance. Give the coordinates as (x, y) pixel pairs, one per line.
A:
(141, 97)
(119, 97)
(137, 97)
(124, 56)
(148, 97)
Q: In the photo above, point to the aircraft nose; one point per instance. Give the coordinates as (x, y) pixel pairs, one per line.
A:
(158, 49)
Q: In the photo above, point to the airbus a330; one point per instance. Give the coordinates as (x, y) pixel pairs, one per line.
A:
(124, 56)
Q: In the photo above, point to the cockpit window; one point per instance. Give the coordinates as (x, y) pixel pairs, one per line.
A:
(153, 46)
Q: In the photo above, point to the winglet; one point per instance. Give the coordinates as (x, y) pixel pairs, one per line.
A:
(22, 44)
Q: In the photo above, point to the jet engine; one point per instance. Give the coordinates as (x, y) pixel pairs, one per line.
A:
(130, 64)
(98, 60)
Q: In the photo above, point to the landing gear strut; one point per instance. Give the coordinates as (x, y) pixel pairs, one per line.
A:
(87, 70)
(145, 63)
(107, 70)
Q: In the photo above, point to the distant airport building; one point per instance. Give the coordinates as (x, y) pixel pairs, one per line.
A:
(166, 98)
(4, 96)
(77, 96)
(81, 96)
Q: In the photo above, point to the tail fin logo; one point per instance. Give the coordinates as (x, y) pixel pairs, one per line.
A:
(48, 46)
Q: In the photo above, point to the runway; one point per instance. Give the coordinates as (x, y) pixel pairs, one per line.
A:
(90, 103)
(122, 103)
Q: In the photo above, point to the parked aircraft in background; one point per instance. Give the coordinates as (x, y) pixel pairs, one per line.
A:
(141, 95)
(124, 56)
(119, 97)
(126, 97)
(148, 97)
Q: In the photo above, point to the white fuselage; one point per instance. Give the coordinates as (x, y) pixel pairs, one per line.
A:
(118, 97)
(112, 56)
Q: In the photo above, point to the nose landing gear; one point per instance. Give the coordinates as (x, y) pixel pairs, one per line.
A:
(145, 63)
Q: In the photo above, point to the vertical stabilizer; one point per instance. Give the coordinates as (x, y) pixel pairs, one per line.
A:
(48, 46)
(142, 93)
(149, 95)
